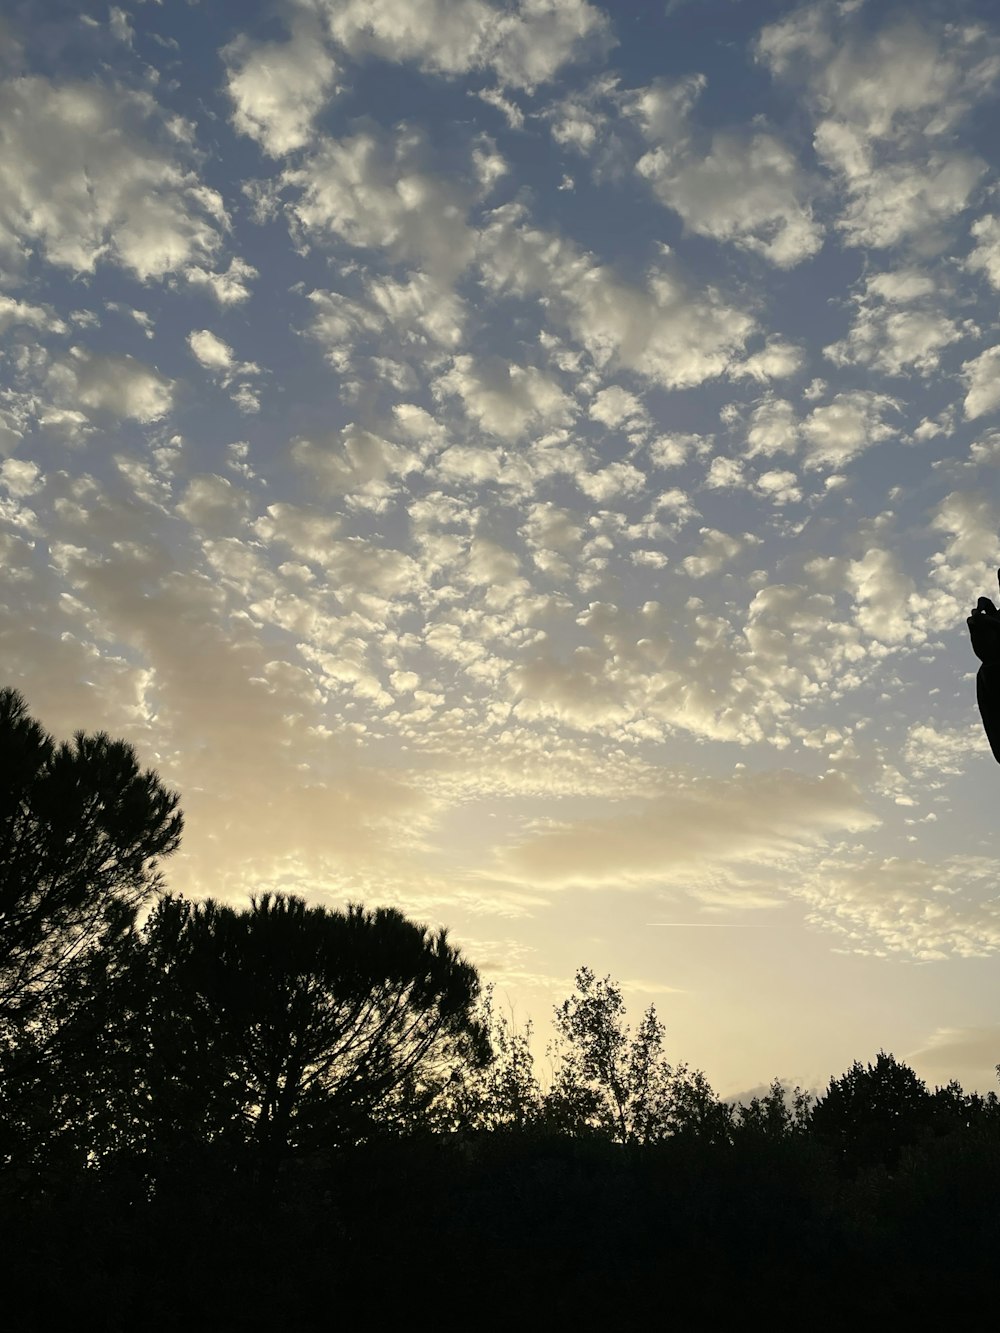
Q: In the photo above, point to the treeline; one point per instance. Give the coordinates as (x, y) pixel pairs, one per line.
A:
(286, 1115)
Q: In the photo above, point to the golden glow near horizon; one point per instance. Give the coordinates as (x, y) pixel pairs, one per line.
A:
(529, 463)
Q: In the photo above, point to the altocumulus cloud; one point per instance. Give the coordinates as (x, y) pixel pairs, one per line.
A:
(451, 441)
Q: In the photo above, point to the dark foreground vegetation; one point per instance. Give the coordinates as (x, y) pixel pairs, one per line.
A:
(289, 1117)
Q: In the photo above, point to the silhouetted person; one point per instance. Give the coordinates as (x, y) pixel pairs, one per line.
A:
(984, 630)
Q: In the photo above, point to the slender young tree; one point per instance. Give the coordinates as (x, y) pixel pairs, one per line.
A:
(609, 1081)
(504, 1093)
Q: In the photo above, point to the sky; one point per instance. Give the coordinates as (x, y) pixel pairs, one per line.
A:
(529, 463)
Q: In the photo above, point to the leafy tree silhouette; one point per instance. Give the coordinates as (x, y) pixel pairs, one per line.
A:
(282, 1029)
(608, 1081)
(504, 1093)
(872, 1112)
(774, 1116)
(82, 830)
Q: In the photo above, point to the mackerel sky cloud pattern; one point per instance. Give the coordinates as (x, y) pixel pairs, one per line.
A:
(530, 462)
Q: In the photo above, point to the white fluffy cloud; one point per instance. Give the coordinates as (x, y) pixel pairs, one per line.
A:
(830, 435)
(277, 88)
(524, 44)
(210, 350)
(229, 287)
(505, 399)
(746, 189)
(883, 594)
(221, 362)
(899, 326)
(376, 191)
(118, 385)
(90, 174)
(776, 360)
(985, 255)
(618, 409)
(969, 518)
(887, 103)
(843, 428)
(773, 428)
(889, 203)
(982, 375)
(14, 312)
(911, 906)
(715, 550)
(660, 329)
(353, 459)
(903, 78)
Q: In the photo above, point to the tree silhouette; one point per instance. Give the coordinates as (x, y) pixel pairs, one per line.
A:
(872, 1112)
(775, 1115)
(82, 829)
(607, 1080)
(504, 1093)
(282, 1028)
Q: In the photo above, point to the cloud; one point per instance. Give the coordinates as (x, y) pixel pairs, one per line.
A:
(210, 350)
(375, 191)
(966, 1048)
(985, 255)
(213, 505)
(982, 375)
(20, 477)
(899, 326)
(724, 474)
(350, 460)
(230, 287)
(776, 360)
(686, 834)
(14, 313)
(843, 428)
(278, 88)
(510, 111)
(618, 409)
(774, 428)
(742, 188)
(890, 203)
(120, 386)
(883, 594)
(923, 909)
(523, 44)
(902, 79)
(887, 104)
(969, 518)
(92, 174)
(209, 697)
(505, 400)
(717, 549)
(780, 486)
(219, 360)
(933, 752)
(830, 435)
(659, 328)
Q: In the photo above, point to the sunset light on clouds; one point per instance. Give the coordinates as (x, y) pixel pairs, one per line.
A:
(529, 464)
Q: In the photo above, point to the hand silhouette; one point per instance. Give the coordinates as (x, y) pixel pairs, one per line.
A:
(984, 631)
